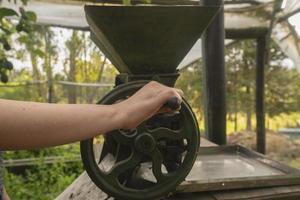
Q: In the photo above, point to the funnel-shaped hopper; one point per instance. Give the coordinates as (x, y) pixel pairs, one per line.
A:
(147, 39)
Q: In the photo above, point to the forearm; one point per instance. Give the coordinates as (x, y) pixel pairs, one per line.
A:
(5, 195)
(27, 125)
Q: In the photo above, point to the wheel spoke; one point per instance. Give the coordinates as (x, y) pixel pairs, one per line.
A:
(122, 138)
(165, 133)
(157, 160)
(124, 165)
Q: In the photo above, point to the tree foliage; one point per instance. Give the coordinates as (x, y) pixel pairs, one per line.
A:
(282, 86)
(8, 28)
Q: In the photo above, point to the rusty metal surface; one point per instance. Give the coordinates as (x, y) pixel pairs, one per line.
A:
(235, 167)
(228, 166)
(147, 39)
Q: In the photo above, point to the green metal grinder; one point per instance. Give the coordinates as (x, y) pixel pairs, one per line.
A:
(145, 43)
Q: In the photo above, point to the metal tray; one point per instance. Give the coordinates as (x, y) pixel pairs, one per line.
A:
(235, 167)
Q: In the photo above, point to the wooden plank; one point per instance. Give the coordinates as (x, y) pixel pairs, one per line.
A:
(214, 76)
(259, 194)
(278, 193)
(246, 33)
(260, 95)
(192, 196)
(81, 189)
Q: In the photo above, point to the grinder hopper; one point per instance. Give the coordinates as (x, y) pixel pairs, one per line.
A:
(147, 39)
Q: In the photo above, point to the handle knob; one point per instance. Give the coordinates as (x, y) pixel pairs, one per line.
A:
(173, 103)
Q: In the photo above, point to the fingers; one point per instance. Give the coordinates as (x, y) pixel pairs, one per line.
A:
(180, 92)
(162, 88)
(164, 94)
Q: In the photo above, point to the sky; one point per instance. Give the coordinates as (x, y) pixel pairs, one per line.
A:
(295, 21)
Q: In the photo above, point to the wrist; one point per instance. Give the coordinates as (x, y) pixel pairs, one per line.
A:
(118, 117)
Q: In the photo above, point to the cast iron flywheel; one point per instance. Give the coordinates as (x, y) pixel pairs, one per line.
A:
(147, 162)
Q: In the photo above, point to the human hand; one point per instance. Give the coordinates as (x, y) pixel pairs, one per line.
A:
(145, 103)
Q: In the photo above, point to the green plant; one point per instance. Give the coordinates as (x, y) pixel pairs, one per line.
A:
(8, 27)
(42, 181)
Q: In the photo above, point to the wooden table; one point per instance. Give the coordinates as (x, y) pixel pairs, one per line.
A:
(83, 188)
(272, 193)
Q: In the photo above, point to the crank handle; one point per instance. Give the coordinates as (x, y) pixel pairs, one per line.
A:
(173, 103)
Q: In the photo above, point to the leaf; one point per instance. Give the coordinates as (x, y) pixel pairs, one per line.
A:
(5, 12)
(4, 77)
(31, 16)
(23, 39)
(24, 2)
(6, 46)
(39, 53)
(8, 65)
(19, 27)
(5, 30)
